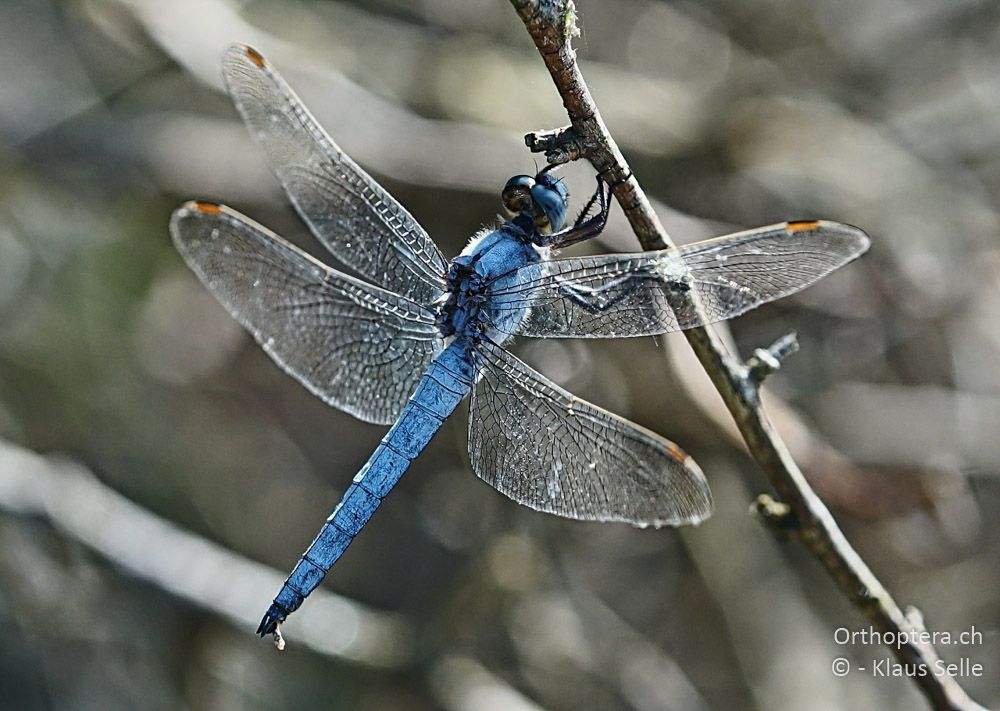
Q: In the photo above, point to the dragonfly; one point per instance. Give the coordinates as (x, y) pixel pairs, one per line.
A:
(408, 338)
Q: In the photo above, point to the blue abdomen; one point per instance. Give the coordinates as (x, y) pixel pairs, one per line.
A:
(447, 381)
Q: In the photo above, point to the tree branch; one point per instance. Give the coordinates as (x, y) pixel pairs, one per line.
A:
(800, 513)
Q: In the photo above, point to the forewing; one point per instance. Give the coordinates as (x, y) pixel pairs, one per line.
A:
(352, 215)
(620, 295)
(356, 346)
(544, 448)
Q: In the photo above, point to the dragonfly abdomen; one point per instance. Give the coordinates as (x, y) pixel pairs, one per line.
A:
(446, 382)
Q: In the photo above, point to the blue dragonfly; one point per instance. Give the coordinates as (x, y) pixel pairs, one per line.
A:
(405, 344)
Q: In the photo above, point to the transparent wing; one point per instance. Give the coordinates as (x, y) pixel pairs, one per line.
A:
(620, 295)
(544, 448)
(358, 347)
(359, 222)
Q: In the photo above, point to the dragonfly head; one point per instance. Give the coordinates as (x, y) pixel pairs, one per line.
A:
(543, 198)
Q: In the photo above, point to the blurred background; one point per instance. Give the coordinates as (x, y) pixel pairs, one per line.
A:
(159, 475)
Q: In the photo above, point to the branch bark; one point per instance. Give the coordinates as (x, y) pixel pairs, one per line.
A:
(800, 512)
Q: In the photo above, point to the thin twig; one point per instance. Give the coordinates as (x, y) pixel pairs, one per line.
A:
(765, 361)
(551, 24)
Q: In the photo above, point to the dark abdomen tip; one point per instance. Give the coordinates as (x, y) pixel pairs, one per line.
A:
(269, 623)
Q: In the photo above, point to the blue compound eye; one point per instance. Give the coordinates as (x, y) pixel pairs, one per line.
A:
(517, 193)
(550, 196)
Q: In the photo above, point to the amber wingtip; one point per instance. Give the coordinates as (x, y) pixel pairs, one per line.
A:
(801, 225)
(677, 453)
(255, 56)
(205, 207)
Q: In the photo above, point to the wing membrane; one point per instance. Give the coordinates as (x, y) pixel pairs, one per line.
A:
(358, 221)
(354, 345)
(613, 296)
(544, 448)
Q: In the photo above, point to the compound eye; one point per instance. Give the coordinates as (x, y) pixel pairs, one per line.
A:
(550, 206)
(517, 193)
(548, 179)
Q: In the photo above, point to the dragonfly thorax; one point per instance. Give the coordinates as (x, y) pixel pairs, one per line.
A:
(460, 312)
(471, 307)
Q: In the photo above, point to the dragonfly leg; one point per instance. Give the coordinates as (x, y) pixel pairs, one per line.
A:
(598, 195)
(584, 228)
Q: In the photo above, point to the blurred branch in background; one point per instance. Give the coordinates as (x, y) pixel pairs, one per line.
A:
(552, 26)
(876, 113)
(214, 579)
(188, 566)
